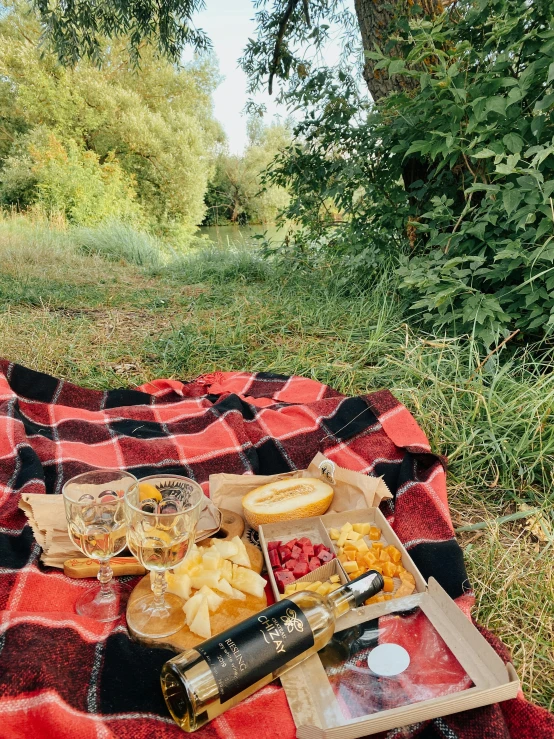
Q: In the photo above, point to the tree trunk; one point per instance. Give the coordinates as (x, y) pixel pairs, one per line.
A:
(376, 19)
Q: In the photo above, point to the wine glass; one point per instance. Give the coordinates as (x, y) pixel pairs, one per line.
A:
(162, 512)
(95, 512)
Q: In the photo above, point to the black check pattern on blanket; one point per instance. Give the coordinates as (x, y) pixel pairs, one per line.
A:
(65, 676)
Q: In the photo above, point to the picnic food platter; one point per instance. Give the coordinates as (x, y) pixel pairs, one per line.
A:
(229, 611)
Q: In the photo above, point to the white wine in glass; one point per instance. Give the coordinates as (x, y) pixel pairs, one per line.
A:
(162, 512)
(95, 512)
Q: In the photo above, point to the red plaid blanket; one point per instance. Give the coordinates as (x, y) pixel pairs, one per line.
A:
(65, 677)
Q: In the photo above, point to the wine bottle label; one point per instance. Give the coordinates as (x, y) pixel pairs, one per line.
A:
(249, 651)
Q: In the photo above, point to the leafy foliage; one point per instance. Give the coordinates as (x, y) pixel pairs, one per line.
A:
(78, 29)
(68, 180)
(154, 130)
(235, 193)
(474, 234)
(483, 121)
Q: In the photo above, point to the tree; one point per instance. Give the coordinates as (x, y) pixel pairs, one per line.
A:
(155, 128)
(236, 193)
(79, 29)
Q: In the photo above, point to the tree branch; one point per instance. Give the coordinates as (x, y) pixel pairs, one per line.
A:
(279, 40)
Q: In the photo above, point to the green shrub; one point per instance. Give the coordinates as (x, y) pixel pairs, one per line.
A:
(482, 120)
(473, 231)
(63, 178)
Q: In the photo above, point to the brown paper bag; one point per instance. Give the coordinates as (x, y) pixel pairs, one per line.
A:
(352, 489)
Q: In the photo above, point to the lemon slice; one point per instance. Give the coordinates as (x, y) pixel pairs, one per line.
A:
(147, 490)
(285, 500)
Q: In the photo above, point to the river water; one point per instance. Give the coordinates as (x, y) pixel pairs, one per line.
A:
(238, 236)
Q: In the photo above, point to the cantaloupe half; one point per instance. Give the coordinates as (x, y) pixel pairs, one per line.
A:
(285, 500)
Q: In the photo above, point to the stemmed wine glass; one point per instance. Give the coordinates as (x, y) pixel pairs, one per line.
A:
(95, 512)
(162, 512)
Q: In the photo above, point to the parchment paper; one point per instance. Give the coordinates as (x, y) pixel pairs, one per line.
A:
(352, 489)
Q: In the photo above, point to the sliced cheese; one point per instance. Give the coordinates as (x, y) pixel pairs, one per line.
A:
(201, 623)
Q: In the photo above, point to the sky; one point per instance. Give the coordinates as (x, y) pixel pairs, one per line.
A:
(229, 24)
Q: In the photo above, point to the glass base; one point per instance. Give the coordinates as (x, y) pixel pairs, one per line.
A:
(144, 619)
(102, 607)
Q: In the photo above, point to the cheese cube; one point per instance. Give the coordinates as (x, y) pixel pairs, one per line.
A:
(342, 538)
(353, 536)
(350, 566)
(394, 553)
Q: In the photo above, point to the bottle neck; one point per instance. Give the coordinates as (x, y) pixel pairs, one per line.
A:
(354, 594)
(341, 601)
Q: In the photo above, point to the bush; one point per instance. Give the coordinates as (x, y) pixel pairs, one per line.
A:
(472, 230)
(63, 178)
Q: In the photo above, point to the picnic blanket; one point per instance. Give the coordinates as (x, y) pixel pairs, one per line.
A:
(63, 676)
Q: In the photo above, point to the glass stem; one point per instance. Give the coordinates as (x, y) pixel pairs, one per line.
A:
(159, 587)
(104, 576)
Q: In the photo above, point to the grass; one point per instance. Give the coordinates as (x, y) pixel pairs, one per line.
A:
(111, 323)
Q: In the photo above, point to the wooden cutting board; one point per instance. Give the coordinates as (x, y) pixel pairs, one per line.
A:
(229, 613)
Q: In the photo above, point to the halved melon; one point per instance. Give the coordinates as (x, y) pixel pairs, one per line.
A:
(285, 500)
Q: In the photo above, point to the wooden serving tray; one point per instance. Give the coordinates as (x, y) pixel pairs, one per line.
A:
(230, 612)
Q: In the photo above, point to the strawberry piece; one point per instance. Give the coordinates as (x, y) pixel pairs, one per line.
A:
(274, 545)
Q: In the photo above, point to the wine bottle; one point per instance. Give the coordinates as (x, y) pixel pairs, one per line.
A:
(201, 683)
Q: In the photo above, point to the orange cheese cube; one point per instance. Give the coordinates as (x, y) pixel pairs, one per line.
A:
(374, 533)
(394, 553)
(406, 588)
(389, 584)
(374, 599)
(377, 546)
(384, 556)
(389, 569)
